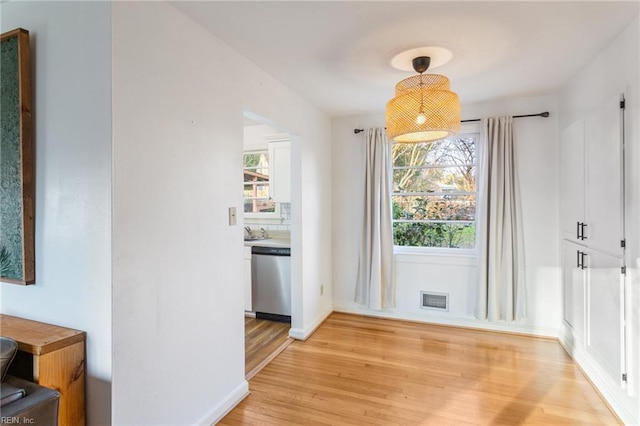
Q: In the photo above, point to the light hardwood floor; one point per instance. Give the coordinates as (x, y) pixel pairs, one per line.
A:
(364, 371)
(262, 339)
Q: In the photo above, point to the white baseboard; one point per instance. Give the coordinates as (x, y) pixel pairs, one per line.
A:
(506, 327)
(615, 396)
(227, 404)
(304, 333)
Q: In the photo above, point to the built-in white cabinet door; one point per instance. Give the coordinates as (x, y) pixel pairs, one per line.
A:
(574, 288)
(604, 177)
(593, 229)
(572, 141)
(605, 301)
(280, 164)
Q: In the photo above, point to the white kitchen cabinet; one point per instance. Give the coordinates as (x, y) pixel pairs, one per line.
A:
(573, 180)
(280, 165)
(247, 279)
(592, 176)
(574, 289)
(604, 176)
(593, 290)
(605, 297)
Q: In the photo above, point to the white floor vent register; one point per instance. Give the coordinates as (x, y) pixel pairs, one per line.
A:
(436, 301)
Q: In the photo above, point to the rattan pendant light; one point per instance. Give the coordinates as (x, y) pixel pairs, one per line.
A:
(424, 109)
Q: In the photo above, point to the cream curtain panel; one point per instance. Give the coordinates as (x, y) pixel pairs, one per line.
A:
(502, 280)
(375, 288)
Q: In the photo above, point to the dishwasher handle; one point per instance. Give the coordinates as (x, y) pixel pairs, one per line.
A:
(271, 251)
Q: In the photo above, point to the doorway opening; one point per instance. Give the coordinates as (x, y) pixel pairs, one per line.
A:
(267, 239)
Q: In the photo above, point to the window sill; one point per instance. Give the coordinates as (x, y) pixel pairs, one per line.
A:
(270, 215)
(435, 256)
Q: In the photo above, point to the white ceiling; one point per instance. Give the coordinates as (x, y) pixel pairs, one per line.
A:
(336, 54)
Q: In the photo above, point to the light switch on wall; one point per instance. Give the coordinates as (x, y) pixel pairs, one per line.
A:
(232, 216)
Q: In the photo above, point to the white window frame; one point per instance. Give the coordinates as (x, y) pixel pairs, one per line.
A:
(275, 214)
(474, 128)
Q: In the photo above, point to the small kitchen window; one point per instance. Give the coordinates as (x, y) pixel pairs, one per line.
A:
(257, 190)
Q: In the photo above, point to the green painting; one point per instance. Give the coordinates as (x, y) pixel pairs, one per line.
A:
(17, 263)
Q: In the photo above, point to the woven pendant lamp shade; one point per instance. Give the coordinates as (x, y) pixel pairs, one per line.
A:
(423, 110)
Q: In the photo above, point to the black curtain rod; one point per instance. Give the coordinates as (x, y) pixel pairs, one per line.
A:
(540, 114)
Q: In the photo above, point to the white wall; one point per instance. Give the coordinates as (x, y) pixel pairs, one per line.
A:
(71, 72)
(536, 140)
(177, 314)
(616, 70)
(177, 282)
(254, 137)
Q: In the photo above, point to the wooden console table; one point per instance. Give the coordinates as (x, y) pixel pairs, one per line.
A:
(51, 356)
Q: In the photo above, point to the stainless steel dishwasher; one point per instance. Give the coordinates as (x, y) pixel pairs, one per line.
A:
(271, 282)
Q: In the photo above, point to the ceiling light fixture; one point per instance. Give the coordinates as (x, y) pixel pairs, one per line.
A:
(424, 109)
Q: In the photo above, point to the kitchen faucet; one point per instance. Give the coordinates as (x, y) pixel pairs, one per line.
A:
(249, 233)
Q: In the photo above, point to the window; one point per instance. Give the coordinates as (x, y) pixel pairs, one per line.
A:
(434, 193)
(257, 198)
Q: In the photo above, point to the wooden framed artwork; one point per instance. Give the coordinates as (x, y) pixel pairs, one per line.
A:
(17, 239)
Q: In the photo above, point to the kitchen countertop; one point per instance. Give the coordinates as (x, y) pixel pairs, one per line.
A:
(269, 242)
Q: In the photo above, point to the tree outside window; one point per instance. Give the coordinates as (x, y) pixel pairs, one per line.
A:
(434, 193)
